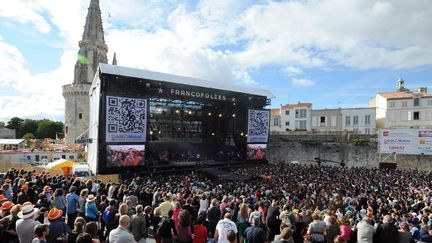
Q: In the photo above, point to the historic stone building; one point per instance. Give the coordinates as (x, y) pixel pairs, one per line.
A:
(92, 51)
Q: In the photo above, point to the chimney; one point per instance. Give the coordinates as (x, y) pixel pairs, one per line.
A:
(422, 89)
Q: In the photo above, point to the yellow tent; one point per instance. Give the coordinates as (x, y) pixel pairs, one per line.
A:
(63, 164)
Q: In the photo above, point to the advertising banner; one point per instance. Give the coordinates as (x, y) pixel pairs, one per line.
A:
(406, 141)
(126, 119)
(258, 126)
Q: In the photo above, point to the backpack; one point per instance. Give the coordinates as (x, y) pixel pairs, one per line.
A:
(163, 228)
(108, 215)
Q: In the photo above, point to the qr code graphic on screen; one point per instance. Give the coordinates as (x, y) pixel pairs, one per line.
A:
(126, 115)
(258, 123)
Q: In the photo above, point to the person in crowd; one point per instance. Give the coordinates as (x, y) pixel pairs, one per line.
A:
(167, 229)
(200, 231)
(203, 205)
(317, 229)
(345, 229)
(23, 195)
(86, 238)
(213, 217)
(41, 231)
(26, 224)
(243, 220)
(332, 229)
(82, 202)
(9, 233)
(404, 235)
(184, 234)
(273, 221)
(138, 225)
(256, 233)
(222, 228)
(121, 234)
(155, 220)
(57, 228)
(72, 206)
(176, 213)
(92, 229)
(365, 231)
(387, 231)
(78, 229)
(60, 200)
(231, 236)
(285, 236)
(91, 211)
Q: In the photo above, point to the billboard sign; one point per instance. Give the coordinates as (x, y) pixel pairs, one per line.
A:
(406, 141)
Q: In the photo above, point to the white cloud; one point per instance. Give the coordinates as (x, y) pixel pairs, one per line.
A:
(354, 33)
(291, 70)
(25, 12)
(302, 82)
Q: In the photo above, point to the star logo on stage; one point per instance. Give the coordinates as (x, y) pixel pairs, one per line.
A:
(160, 91)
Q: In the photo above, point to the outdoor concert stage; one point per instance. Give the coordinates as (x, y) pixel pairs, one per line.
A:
(146, 121)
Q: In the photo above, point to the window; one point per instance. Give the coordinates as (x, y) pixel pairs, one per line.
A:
(392, 116)
(287, 123)
(322, 119)
(416, 101)
(333, 121)
(355, 120)
(347, 121)
(63, 156)
(367, 120)
(404, 103)
(404, 115)
(300, 113)
(416, 115)
(392, 104)
(80, 116)
(37, 158)
(276, 122)
(303, 125)
(66, 129)
(287, 112)
(71, 157)
(367, 130)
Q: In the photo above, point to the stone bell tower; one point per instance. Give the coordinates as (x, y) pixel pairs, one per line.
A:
(92, 51)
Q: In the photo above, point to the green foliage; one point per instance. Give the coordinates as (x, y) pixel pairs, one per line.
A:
(2, 124)
(360, 142)
(15, 123)
(48, 129)
(39, 129)
(310, 142)
(29, 135)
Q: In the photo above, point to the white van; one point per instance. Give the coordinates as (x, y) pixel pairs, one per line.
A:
(81, 171)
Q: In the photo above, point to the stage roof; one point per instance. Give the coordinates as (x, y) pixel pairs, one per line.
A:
(164, 77)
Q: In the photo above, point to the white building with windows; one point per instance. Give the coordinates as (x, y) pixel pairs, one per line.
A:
(359, 120)
(275, 121)
(295, 117)
(403, 108)
(326, 120)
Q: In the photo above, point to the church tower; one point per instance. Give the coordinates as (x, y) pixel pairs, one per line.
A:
(92, 51)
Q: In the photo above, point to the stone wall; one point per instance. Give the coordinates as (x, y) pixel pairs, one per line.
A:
(354, 151)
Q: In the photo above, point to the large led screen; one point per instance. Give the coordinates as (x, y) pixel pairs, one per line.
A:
(256, 151)
(125, 155)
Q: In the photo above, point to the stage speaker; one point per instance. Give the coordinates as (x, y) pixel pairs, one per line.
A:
(386, 165)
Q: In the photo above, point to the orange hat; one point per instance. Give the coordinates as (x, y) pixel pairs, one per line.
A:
(47, 188)
(7, 205)
(27, 203)
(7, 180)
(55, 213)
(2, 198)
(24, 187)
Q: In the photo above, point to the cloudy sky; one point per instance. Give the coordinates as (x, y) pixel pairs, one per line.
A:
(333, 53)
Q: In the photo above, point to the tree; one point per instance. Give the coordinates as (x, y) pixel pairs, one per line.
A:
(29, 135)
(2, 124)
(15, 123)
(48, 129)
(29, 126)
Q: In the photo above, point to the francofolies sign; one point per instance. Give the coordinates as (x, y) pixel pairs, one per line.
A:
(197, 94)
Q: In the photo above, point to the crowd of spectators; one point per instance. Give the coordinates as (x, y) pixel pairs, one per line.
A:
(283, 203)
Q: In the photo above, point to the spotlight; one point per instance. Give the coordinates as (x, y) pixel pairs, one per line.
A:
(177, 111)
(234, 115)
(151, 132)
(190, 112)
(209, 113)
(241, 134)
(212, 133)
(220, 115)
